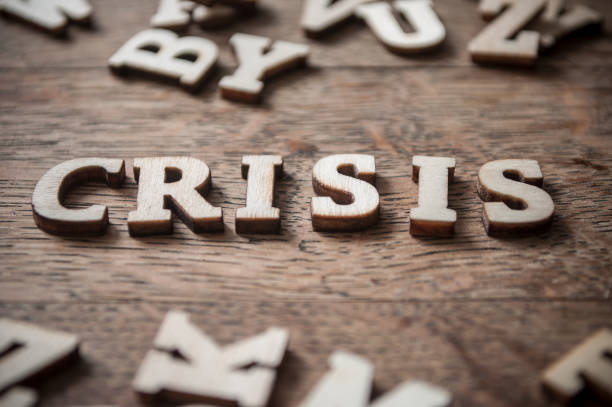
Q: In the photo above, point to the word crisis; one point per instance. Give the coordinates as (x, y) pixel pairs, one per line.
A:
(347, 199)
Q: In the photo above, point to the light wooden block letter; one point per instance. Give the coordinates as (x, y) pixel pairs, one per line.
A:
(19, 397)
(432, 217)
(495, 44)
(415, 394)
(555, 22)
(553, 9)
(177, 184)
(178, 14)
(587, 365)
(162, 52)
(214, 15)
(50, 15)
(241, 374)
(258, 58)
(429, 32)
(348, 383)
(351, 201)
(521, 207)
(28, 350)
(489, 9)
(172, 14)
(259, 216)
(320, 15)
(49, 213)
(577, 18)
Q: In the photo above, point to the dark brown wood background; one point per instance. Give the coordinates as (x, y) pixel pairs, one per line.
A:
(478, 315)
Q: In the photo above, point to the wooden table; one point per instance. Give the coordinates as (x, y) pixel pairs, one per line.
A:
(478, 315)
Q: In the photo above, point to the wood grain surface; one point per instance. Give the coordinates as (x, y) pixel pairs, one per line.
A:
(478, 315)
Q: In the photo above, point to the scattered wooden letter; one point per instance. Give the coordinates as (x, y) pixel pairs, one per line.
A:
(555, 22)
(494, 43)
(351, 201)
(256, 64)
(520, 207)
(433, 217)
(49, 213)
(214, 15)
(587, 365)
(348, 383)
(28, 351)
(259, 216)
(172, 14)
(50, 15)
(489, 9)
(415, 394)
(178, 14)
(177, 184)
(429, 32)
(19, 397)
(242, 373)
(577, 18)
(321, 15)
(163, 53)
(553, 9)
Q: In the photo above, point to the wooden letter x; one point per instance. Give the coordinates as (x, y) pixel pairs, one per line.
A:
(349, 383)
(241, 374)
(176, 183)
